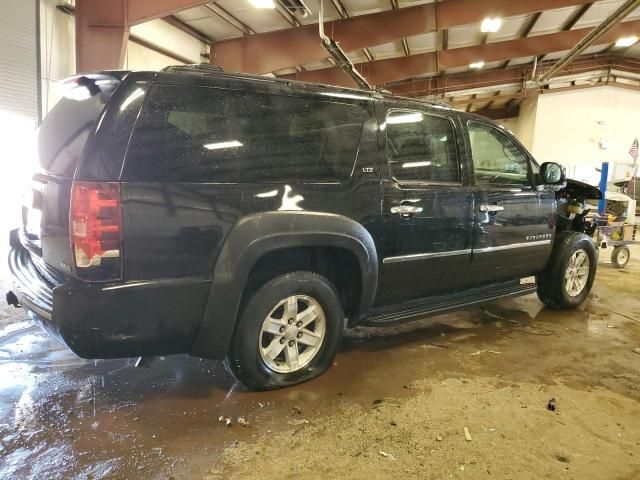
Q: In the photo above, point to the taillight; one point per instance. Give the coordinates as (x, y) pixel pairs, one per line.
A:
(95, 225)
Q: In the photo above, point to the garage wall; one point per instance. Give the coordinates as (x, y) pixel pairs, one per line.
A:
(18, 59)
(58, 48)
(581, 129)
(510, 124)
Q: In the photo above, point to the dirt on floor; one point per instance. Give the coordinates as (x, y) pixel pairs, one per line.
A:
(509, 390)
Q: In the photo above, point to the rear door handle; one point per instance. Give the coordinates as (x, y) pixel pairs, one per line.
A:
(406, 210)
(491, 208)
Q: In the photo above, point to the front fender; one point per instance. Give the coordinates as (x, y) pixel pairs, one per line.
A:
(254, 236)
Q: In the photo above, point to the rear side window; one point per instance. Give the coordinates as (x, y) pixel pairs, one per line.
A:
(203, 134)
(64, 132)
(421, 147)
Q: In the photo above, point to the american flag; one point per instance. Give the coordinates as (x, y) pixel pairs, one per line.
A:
(634, 150)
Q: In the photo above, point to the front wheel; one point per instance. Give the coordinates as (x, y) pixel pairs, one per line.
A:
(568, 277)
(288, 332)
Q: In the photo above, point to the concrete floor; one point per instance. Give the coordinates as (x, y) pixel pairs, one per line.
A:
(395, 404)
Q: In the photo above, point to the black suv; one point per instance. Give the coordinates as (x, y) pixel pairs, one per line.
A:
(246, 218)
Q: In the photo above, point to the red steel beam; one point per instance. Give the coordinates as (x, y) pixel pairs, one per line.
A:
(102, 28)
(272, 51)
(390, 70)
(101, 34)
(501, 113)
(466, 81)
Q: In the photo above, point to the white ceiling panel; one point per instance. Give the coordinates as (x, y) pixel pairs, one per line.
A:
(511, 28)
(634, 51)
(598, 12)
(330, 13)
(520, 61)
(204, 20)
(317, 65)
(364, 7)
(465, 36)
(423, 43)
(357, 57)
(551, 21)
(195, 13)
(387, 50)
(258, 19)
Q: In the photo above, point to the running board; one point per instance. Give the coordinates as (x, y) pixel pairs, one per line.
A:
(445, 303)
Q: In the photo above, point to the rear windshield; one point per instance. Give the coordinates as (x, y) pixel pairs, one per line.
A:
(188, 134)
(64, 132)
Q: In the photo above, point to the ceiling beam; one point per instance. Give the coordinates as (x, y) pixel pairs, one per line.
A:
(389, 70)
(595, 36)
(514, 76)
(501, 113)
(102, 28)
(272, 51)
(534, 92)
(101, 35)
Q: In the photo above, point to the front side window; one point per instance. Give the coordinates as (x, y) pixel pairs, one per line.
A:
(188, 134)
(421, 147)
(496, 158)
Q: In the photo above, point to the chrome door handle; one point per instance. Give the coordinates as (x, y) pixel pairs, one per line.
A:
(491, 208)
(406, 210)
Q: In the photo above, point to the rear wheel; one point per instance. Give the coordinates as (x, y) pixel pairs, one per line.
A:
(288, 332)
(568, 277)
(620, 256)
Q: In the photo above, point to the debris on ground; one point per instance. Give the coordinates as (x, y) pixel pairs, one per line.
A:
(296, 410)
(551, 405)
(298, 421)
(495, 352)
(377, 402)
(225, 420)
(242, 421)
(636, 350)
(439, 438)
(387, 455)
(467, 434)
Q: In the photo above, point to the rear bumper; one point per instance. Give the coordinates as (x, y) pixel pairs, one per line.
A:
(33, 291)
(111, 320)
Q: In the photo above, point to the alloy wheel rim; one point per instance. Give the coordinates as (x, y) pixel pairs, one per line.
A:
(577, 273)
(623, 257)
(292, 334)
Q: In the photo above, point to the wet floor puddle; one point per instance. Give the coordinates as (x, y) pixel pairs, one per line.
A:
(63, 417)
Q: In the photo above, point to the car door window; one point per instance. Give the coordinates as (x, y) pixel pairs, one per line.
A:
(421, 147)
(496, 158)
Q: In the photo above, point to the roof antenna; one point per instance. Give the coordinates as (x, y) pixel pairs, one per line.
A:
(341, 59)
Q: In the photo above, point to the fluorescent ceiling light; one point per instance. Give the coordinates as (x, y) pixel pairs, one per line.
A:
(416, 164)
(479, 64)
(221, 145)
(404, 118)
(491, 25)
(262, 3)
(626, 41)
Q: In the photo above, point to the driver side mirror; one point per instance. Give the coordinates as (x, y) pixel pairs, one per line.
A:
(552, 174)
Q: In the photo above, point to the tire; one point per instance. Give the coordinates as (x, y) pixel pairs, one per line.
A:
(620, 256)
(570, 252)
(265, 321)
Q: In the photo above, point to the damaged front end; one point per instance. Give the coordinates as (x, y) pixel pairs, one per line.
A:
(573, 207)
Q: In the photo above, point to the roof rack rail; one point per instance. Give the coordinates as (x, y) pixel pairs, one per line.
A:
(194, 67)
